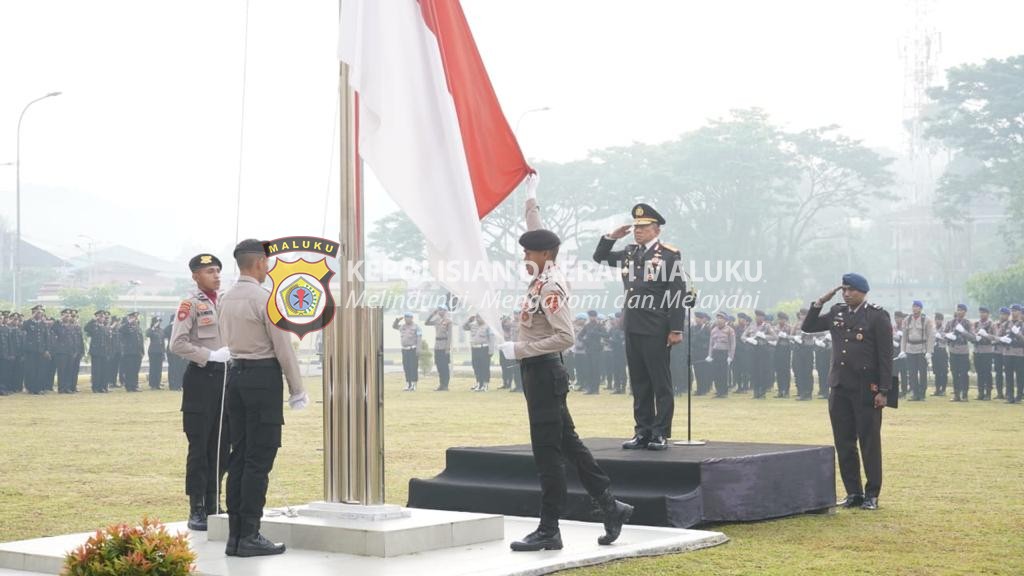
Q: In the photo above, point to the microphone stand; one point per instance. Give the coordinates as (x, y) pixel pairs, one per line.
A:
(688, 302)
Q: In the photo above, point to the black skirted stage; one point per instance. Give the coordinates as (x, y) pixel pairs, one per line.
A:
(683, 486)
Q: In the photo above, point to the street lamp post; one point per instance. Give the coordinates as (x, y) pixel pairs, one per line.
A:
(17, 196)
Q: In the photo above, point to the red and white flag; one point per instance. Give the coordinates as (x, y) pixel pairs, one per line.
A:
(431, 128)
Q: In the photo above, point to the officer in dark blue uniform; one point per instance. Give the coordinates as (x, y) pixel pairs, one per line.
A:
(653, 320)
(859, 381)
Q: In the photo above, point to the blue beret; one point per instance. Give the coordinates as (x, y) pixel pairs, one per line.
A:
(1004, 310)
(856, 281)
(722, 313)
(539, 240)
(918, 303)
(703, 315)
(1017, 307)
(962, 307)
(408, 314)
(782, 315)
(591, 312)
(983, 309)
(744, 316)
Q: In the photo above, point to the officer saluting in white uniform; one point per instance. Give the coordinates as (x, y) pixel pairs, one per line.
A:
(260, 352)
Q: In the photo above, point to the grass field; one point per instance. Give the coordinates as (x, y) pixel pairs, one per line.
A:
(952, 501)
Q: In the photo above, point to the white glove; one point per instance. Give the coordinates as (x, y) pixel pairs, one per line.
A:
(1015, 330)
(799, 339)
(977, 338)
(982, 332)
(819, 343)
(298, 401)
(728, 361)
(895, 343)
(532, 181)
(708, 359)
(508, 349)
(751, 341)
(771, 343)
(901, 356)
(1005, 339)
(928, 356)
(760, 334)
(783, 335)
(899, 333)
(960, 328)
(950, 336)
(220, 355)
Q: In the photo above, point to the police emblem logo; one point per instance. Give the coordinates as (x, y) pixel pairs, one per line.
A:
(638, 212)
(205, 259)
(301, 301)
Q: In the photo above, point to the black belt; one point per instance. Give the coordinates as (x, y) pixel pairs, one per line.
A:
(259, 363)
(209, 366)
(549, 357)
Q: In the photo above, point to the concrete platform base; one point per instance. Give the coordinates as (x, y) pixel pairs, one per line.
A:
(45, 555)
(325, 529)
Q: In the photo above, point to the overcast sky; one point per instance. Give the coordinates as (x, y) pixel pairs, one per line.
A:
(142, 148)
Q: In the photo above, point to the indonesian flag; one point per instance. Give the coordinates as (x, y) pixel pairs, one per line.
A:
(431, 128)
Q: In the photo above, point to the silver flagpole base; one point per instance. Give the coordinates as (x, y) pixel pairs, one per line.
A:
(689, 443)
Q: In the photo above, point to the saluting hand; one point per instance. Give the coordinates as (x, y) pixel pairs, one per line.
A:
(620, 232)
(829, 295)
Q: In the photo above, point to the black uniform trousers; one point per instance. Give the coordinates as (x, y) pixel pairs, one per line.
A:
(595, 368)
(156, 370)
(917, 367)
(199, 422)
(958, 365)
(983, 367)
(761, 370)
(66, 378)
(481, 364)
(554, 439)
(803, 368)
(129, 366)
(901, 367)
(618, 359)
(98, 372)
(442, 360)
(997, 369)
(650, 377)
(176, 366)
(256, 414)
(49, 372)
(855, 421)
(823, 364)
(940, 367)
(411, 364)
(35, 372)
(702, 374)
(783, 368)
(1013, 366)
(720, 371)
(741, 367)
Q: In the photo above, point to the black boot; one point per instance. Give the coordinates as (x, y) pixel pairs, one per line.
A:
(252, 543)
(197, 513)
(234, 528)
(615, 515)
(543, 538)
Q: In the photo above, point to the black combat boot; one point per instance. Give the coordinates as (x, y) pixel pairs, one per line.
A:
(234, 528)
(543, 538)
(615, 514)
(197, 513)
(252, 543)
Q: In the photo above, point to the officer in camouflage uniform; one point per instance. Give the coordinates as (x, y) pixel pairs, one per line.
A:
(196, 336)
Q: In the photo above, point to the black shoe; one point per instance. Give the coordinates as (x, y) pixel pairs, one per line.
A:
(256, 545)
(231, 548)
(658, 443)
(539, 539)
(615, 514)
(870, 503)
(197, 514)
(637, 443)
(439, 389)
(851, 501)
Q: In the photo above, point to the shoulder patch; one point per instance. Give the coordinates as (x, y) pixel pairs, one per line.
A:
(553, 301)
(183, 309)
(670, 248)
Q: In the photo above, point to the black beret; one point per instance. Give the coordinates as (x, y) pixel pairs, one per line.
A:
(744, 316)
(203, 261)
(703, 315)
(539, 240)
(782, 316)
(250, 246)
(644, 214)
(759, 313)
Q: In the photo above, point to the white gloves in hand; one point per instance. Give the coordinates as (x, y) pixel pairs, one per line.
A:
(982, 332)
(899, 333)
(751, 341)
(508, 349)
(220, 355)
(950, 336)
(819, 342)
(783, 335)
(901, 356)
(760, 334)
(1015, 330)
(1005, 339)
(960, 328)
(532, 181)
(298, 401)
(708, 359)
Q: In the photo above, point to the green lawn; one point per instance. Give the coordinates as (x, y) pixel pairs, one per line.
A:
(952, 502)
